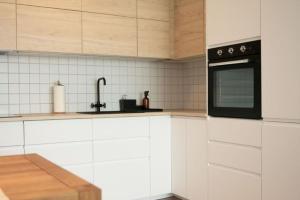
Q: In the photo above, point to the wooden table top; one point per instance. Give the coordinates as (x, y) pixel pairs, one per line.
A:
(31, 177)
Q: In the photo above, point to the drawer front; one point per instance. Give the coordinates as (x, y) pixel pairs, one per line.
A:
(83, 171)
(64, 153)
(11, 134)
(53, 131)
(121, 149)
(7, 151)
(238, 157)
(226, 184)
(115, 128)
(238, 131)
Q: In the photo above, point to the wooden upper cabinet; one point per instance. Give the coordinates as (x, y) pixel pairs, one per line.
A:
(48, 30)
(8, 1)
(154, 9)
(109, 35)
(153, 39)
(189, 28)
(7, 26)
(62, 4)
(113, 7)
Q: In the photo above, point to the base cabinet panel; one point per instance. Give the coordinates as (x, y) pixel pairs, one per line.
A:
(124, 180)
(83, 171)
(8, 151)
(281, 161)
(228, 184)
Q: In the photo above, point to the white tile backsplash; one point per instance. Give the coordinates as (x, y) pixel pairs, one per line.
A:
(26, 82)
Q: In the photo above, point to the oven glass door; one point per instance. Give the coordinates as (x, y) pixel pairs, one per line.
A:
(235, 90)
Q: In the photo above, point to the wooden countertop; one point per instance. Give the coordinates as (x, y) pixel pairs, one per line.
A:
(50, 116)
(31, 177)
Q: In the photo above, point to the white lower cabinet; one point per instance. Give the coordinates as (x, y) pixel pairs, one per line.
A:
(126, 180)
(281, 161)
(7, 151)
(85, 171)
(189, 158)
(234, 159)
(11, 138)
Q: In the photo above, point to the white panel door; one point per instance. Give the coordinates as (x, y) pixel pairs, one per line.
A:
(160, 137)
(231, 20)
(53, 131)
(281, 161)
(179, 156)
(11, 134)
(196, 168)
(126, 180)
(84, 171)
(280, 59)
(64, 153)
(8, 151)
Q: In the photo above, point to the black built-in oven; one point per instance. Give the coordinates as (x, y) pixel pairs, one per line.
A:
(234, 81)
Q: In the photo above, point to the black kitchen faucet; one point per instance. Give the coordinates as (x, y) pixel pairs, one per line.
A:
(98, 105)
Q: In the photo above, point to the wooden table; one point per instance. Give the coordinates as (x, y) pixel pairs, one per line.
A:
(32, 177)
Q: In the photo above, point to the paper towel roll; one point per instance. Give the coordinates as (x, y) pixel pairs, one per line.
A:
(59, 98)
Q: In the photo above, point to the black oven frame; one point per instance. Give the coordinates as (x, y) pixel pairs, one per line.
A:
(254, 62)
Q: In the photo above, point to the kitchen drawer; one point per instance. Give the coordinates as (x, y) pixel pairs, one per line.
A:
(11, 134)
(83, 171)
(227, 184)
(7, 151)
(238, 131)
(121, 149)
(64, 153)
(54, 131)
(235, 156)
(117, 128)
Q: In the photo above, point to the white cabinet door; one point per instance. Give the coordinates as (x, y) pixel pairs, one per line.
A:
(196, 168)
(53, 131)
(231, 20)
(11, 134)
(84, 171)
(160, 141)
(179, 156)
(281, 161)
(7, 151)
(280, 63)
(126, 180)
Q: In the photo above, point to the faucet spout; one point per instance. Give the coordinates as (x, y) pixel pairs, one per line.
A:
(98, 105)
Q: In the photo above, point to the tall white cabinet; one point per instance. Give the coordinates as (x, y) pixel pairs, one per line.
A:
(189, 159)
(280, 63)
(231, 20)
(281, 161)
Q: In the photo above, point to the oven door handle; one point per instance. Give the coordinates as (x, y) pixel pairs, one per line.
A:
(234, 62)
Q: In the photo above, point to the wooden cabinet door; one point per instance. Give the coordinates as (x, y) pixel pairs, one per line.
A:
(232, 20)
(281, 161)
(7, 26)
(126, 180)
(196, 166)
(280, 64)
(49, 30)
(113, 7)
(160, 156)
(154, 9)
(153, 39)
(8, 1)
(179, 157)
(189, 28)
(109, 35)
(62, 4)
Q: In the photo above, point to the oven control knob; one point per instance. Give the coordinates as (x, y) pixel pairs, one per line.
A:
(231, 50)
(243, 48)
(220, 52)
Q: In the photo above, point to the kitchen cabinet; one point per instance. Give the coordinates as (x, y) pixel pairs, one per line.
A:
(234, 159)
(189, 28)
(280, 65)
(189, 159)
(48, 30)
(281, 163)
(232, 20)
(113, 7)
(160, 159)
(153, 39)
(154, 9)
(8, 1)
(109, 35)
(65, 4)
(11, 134)
(7, 151)
(7, 26)
(84, 171)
